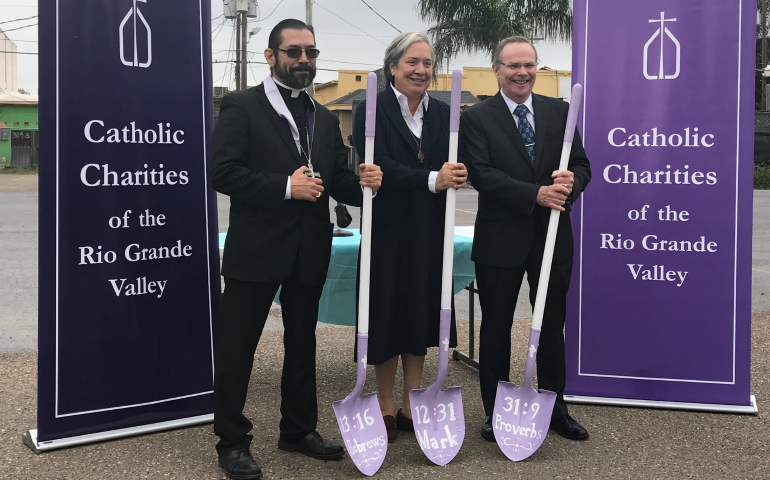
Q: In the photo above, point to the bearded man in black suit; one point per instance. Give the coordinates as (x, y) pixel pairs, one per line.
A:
(512, 145)
(279, 156)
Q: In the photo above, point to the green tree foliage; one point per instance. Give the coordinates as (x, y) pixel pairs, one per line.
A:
(468, 26)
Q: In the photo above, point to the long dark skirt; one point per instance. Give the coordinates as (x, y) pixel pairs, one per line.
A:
(405, 295)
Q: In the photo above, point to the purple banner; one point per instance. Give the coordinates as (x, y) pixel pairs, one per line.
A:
(660, 300)
(129, 264)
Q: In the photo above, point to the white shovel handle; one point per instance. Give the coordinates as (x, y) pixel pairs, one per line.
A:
(366, 212)
(553, 222)
(449, 220)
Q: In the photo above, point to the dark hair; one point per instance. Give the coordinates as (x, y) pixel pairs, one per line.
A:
(276, 34)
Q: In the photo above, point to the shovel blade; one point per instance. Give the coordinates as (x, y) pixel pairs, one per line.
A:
(439, 422)
(363, 431)
(521, 419)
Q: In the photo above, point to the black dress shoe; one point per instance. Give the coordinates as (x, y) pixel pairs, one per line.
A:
(240, 465)
(391, 427)
(404, 423)
(486, 430)
(315, 446)
(568, 428)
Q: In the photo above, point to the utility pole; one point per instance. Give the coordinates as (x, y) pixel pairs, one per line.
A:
(244, 55)
(764, 53)
(309, 20)
(238, 52)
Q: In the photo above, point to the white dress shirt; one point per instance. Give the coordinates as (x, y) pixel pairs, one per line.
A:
(527, 103)
(414, 123)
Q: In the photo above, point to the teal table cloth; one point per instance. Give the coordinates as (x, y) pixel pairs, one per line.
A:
(338, 301)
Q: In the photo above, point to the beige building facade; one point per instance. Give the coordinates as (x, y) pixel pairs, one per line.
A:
(8, 72)
(480, 81)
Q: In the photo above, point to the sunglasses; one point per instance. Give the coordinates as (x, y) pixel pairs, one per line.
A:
(296, 52)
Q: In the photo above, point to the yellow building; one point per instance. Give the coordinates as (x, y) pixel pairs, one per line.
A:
(342, 95)
(348, 81)
(480, 81)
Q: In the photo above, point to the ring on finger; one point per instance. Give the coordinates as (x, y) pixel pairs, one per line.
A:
(318, 195)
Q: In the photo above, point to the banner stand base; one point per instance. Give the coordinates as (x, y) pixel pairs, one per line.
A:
(30, 438)
(703, 407)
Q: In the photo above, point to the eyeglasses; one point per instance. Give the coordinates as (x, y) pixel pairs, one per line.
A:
(516, 66)
(296, 52)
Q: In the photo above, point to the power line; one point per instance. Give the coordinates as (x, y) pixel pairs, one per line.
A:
(351, 34)
(268, 16)
(375, 11)
(265, 63)
(19, 28)
(216, 33)
(320, 59)
(19, 19)
(19, 53)
(362, 31)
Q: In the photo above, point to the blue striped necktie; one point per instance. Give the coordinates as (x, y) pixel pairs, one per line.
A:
(526, 130)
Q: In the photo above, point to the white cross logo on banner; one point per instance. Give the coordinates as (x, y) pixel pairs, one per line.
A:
(662, 32)
(137, 15)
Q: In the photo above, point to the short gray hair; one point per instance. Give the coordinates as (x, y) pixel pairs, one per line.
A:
(398, 47)
(514, 39)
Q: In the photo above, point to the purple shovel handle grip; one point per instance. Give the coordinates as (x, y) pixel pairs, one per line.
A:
(574, 107)
(529, 369)
(371, 103)
(443, 347)
(443, 355)
(362, 342)
(454, 106)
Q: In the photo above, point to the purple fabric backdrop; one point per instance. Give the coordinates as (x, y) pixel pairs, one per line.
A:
(660, 300)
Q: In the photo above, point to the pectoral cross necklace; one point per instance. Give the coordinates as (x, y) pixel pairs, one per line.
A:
(420, 155)
(312, 173)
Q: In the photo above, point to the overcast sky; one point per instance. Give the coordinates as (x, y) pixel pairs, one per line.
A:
(359, 44)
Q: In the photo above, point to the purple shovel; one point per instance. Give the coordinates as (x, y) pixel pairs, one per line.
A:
(522, 415)
(359, 416)
(439, 422)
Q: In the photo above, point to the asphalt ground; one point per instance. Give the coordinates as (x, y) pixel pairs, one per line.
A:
(625, 442)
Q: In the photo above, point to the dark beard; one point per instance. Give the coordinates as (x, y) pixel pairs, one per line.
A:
(294, 77)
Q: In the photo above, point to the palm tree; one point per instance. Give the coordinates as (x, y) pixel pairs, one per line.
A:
(472, 25)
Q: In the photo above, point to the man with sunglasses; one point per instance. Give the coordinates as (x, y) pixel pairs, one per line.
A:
(279, 156)
(512, 144)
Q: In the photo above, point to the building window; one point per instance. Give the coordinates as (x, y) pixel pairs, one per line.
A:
(358, 78)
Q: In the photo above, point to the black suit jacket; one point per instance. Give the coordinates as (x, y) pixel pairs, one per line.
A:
(499, 168)
(395, 149)
(253, 154)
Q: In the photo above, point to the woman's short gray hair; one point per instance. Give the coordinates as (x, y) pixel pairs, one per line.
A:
(398, 47)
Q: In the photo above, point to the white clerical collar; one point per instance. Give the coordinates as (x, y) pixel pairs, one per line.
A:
(276, 100)
(294, 91)
(512, 105)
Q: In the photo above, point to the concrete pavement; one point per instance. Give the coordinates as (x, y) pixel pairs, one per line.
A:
(625, 442)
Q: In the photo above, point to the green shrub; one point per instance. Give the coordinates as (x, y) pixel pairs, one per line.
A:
(762, 177)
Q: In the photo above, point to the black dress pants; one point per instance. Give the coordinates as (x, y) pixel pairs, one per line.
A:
(245, 306)
(498, 291)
